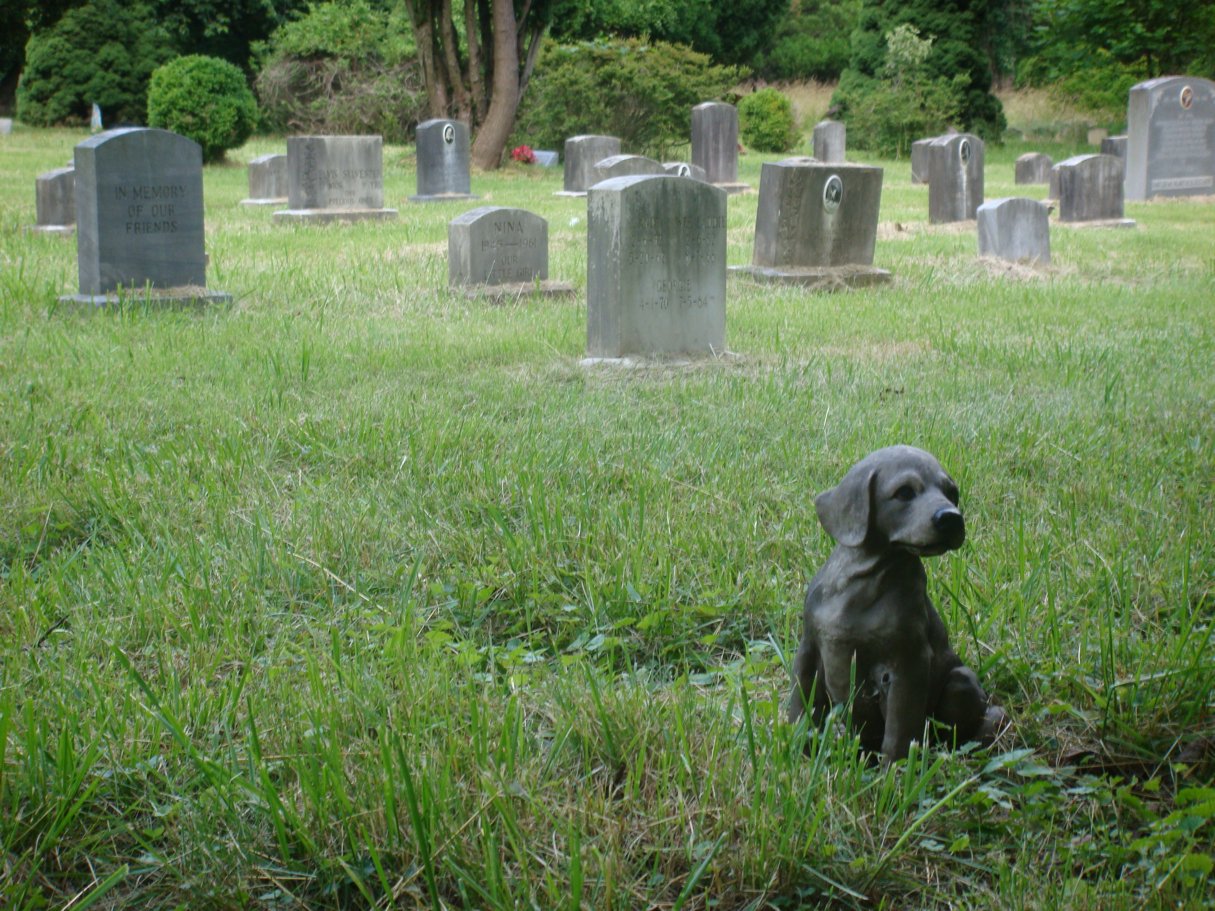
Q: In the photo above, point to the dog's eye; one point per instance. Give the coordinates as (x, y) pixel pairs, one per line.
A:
(905, 493)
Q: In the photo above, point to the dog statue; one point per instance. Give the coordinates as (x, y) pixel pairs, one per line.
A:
(868, 621)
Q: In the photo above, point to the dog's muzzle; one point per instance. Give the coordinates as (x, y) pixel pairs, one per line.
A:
(950, 526)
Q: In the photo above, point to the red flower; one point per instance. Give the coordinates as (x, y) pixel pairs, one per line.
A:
(523, 154)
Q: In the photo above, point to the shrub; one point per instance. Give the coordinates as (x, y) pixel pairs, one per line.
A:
(344, 67)
(811, 42)
(640, 91)
(765, 121)
(104, 53)
(204, 99)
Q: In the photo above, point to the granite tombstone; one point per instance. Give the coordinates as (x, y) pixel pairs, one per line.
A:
(1016, 229)
(817, 224)
(443, 161)
(656, 268)
(1114, 145)
(919, 156)
(715, 144)
(1091, 190)
(55, 201)
(581, 155)
(335, 178)
(1033, 167)
(829, 140)
(685, 169)
(1170, 148)
(626, 166)
(267, 181)
(498, 251)
(955, 178)
(139, 217)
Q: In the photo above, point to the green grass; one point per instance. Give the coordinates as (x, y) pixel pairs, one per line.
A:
(357, 593)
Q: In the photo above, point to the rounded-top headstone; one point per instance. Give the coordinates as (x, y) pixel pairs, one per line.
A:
(496, 245)
(1033, 167)
(627, 166)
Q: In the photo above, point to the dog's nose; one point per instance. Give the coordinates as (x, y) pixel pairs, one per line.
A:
(949, 524)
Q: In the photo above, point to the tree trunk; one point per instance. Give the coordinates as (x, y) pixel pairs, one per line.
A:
(504, 98)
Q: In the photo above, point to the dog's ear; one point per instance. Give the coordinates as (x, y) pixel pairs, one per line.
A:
(844, 509)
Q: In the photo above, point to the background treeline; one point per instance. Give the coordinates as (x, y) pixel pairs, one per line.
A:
(905, 67)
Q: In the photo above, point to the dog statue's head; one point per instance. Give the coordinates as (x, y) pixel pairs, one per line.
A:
(898, 497)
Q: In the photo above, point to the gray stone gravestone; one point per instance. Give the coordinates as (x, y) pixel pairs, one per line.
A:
(139, 217)
(267, 181)
(829, 141)
(919, 156)
(626, 166)
(1033, 167)
(656, 268)
(685, 169)
(1016, 229)
(955, 178)
(55, 201)
(335, 178)
(6, 125)
(1170, 147)
(443, 161)
(498, 252)
(581, 155)
(1091, 191)
(715, 144)
(1114, 145)
(817, 224)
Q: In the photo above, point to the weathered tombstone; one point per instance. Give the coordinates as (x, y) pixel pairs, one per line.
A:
(496, 251)
(626, 166)
(335, 178)
(656, 268)
(139, 217)
(715, 144)
(6, 125)
(1170, 147)
(919, 156)
(829, 141)
(955, 178)
(1114, 145)
(1091, 190)
(817, 224)
(55, 201)
(1033, 167)
(443, 161)
(1016, 229)
(581, 155)
(685, 169)
(267, 181)
(546, 158)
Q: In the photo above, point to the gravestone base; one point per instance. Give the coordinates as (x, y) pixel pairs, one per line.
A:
(326, 216)
(1099, 223)
(499, 294)
(821, 278)
(659, 362)
(444, 197)
(60, 230)
(185, 296)
(268, 201)
(570, 193)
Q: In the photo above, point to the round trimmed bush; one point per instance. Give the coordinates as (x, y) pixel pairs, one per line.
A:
(765, 121)
(205, 99)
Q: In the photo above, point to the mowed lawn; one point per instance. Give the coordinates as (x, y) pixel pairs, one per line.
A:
(359, 593)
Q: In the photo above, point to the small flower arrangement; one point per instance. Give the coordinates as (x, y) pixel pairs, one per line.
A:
(523, 154)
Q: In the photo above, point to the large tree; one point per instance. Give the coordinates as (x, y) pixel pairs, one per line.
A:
(480, 76)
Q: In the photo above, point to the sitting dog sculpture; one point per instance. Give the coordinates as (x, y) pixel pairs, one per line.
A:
(868, 621)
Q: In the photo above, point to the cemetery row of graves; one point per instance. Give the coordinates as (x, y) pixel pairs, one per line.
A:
(369, 579)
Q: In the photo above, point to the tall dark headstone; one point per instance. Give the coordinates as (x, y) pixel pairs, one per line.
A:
(139, 216)
(443, 161)
(817, 224)
(715, 144)
(955, 178)
(335, 178)
(1170, 147)
(656, 268)
(581, 154)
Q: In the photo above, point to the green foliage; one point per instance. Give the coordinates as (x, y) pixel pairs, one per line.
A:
(729, 31)
(1101, 88)
(642, 92)
(223, 28)
(766, 122)
(957, 32)
(344, 67)
(811, 42)
(905, 102)
(205, 99)
(104, 53)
